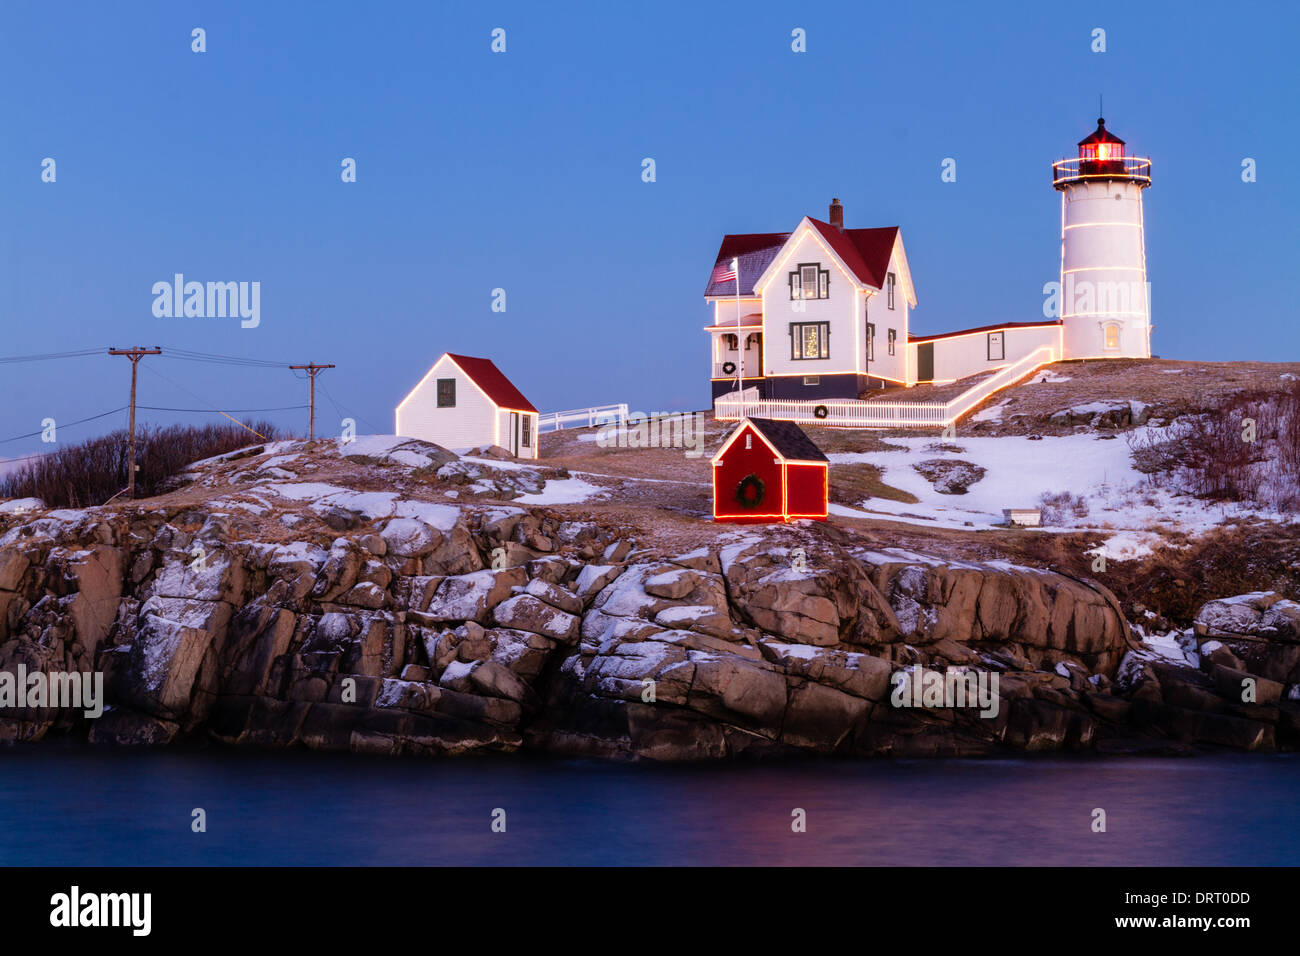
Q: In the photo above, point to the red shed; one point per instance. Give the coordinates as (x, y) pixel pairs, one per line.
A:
(769, 471)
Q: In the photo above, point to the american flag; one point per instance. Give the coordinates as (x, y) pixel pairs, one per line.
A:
(728, 275)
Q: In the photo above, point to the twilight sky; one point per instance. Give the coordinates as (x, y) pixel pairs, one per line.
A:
(522, 171)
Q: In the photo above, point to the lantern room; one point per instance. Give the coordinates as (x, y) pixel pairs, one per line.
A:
(1102, 146)
(1101, 156)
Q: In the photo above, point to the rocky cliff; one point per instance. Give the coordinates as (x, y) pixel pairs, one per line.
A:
(365, 615)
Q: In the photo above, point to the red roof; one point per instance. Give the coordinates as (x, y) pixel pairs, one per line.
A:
(488, 377)
(984, 328)
(1100, 135)
(865, 251)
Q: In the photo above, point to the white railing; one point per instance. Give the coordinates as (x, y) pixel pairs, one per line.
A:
(583, 417)
(853, 413)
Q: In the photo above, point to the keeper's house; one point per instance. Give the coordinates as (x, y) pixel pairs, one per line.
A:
(769, 471)
(465, 402)
(823, 311)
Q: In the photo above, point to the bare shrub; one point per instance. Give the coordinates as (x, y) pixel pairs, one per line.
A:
(1208, 454)
(93, 471)
(1057, 508)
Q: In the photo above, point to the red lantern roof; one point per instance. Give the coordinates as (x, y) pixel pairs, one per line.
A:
(1101, 135)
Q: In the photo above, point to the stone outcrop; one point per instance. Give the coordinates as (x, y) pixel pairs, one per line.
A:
(421, 632)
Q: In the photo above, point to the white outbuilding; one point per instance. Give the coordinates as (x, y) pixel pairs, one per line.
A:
(465, 402)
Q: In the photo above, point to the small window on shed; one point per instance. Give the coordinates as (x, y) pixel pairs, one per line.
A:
(446, 393)
(527, 438)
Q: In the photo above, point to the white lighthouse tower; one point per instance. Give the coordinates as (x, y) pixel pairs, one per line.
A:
(1105, 308)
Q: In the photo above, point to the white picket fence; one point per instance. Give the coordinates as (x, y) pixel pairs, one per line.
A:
(853, 413)
(583, 417)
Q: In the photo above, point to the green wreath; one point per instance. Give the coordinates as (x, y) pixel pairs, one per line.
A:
(750, 491)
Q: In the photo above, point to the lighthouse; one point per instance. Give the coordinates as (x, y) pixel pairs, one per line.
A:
(1105, 307)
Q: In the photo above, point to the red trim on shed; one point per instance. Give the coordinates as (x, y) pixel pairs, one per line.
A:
(791, 488)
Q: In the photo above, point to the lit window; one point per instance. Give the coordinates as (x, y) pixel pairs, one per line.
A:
(810, 281)
(808, 340)
(1112, 336)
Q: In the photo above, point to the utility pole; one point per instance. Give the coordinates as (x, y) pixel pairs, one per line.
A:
(134, 355)
(311, 368)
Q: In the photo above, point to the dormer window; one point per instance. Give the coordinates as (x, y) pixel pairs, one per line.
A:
(810, 281)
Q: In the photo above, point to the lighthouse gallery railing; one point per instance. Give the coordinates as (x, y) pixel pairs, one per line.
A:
(1076, 170)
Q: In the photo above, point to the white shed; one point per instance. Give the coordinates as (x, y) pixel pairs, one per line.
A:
(463, 403)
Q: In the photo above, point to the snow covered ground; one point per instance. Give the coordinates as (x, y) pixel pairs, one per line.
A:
(562, 491)
(1020, 470)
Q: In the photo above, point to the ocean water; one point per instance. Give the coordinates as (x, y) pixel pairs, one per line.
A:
(70, 807)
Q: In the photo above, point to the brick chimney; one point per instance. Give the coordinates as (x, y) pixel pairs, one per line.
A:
(837, 215)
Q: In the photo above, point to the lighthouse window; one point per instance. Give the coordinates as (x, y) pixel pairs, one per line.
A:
(1112, 336)
(889, 285)
(808, 340)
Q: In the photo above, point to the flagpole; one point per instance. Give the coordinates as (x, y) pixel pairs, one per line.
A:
(740, 366)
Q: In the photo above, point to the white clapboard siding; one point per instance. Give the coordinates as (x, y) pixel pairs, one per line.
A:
(507, 433)
(471, 424)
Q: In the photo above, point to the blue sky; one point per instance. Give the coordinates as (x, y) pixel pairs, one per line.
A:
(522, 171)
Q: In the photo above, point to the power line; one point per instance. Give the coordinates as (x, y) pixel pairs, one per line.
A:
(342, 409)
(47, 356)
(190, 355)
(4, 441)
(241, 411)
(201, 399)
